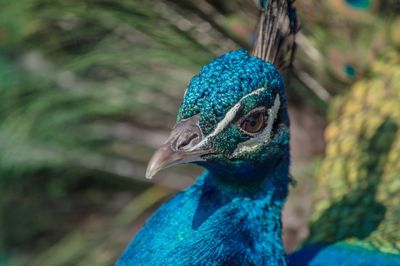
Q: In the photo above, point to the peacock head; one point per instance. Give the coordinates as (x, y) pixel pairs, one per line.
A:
(233, 121)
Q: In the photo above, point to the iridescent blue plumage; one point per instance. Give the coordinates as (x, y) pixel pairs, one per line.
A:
(222, 83)
(359, 4)
(210, 225)
(341, 254)
(232, 214)
(233, 121)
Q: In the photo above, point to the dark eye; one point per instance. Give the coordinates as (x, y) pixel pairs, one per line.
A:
(253, 123)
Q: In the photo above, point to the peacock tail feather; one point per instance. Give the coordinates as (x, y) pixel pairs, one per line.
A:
(355, 9)
(340, 40)
(357, 200)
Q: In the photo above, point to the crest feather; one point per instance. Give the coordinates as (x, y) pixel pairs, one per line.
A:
(276, 32)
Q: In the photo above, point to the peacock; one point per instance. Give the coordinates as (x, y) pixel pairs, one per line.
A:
(358, 184)
(233, 121)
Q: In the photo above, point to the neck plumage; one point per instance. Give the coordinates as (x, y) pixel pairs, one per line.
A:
(258, 204)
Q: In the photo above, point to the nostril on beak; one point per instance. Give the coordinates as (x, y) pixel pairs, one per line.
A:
(185, 142)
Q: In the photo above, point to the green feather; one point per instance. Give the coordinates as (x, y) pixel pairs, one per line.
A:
(360, 174)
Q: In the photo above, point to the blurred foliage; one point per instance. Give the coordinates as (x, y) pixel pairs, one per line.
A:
(89, 88)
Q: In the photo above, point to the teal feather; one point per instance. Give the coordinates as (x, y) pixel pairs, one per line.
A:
(342, 254)
(350, 71)
(359, 4)
(263, 3)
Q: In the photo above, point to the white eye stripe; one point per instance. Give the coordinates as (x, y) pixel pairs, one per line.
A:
(230, 115)
(264, 136)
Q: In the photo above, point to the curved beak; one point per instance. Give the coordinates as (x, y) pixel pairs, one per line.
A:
(179, 148)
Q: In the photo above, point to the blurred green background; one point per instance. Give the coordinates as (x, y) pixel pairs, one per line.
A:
(88, 90)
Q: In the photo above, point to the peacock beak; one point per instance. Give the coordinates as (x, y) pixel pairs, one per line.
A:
(180, 147)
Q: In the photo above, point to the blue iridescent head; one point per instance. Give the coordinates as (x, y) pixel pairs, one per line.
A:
(233, 120)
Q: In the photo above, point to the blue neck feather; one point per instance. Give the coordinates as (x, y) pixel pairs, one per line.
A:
(217, 223)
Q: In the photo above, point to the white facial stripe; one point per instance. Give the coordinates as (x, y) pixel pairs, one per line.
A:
(264, 136)
(230, 115)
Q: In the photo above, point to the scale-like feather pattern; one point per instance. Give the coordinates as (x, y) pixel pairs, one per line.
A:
(359, 180)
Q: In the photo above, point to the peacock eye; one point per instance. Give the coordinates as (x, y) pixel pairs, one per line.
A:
(254, 122)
